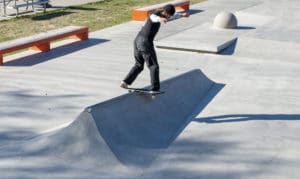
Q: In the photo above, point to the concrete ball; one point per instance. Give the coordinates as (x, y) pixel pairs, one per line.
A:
(225, 20)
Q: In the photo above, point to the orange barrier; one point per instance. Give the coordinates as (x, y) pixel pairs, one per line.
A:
(41, 42)
(141, 14)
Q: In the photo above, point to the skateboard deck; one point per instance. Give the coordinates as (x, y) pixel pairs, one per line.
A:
(143, 90)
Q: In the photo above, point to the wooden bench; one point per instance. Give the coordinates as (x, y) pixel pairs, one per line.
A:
(141, 14)
(16, 4)
(41, 42)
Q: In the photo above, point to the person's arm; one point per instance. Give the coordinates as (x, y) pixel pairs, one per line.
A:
(178, 15)
(155, 18)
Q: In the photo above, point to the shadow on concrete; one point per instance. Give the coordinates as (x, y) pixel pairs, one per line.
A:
(230, 49)
(82, 8)
(244, 28)
(15, 134)
(30, 105)
(54, 53)
(195, 11)
(137, 128)
(134, 129)
(75, 8)
(204, 151)
(248, 117)
(50, 15)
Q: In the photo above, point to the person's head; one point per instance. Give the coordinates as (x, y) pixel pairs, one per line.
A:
(168, 11)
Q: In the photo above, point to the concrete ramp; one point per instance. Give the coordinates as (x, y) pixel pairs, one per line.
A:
(70, 152)
(118, 137)
(137, 128)
(201, 38)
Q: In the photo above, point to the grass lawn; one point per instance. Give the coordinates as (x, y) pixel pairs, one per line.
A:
(96, 16)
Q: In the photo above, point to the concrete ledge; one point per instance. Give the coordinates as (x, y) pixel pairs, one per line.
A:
(41, 42)
(141, 14)
(196, 39)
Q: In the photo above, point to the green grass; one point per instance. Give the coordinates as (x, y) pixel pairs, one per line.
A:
(96, 16)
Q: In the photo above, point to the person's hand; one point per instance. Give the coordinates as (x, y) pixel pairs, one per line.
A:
(185, 14)
(163, 20)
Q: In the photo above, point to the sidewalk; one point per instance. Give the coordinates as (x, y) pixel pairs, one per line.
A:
(54, 5)
(60, 3)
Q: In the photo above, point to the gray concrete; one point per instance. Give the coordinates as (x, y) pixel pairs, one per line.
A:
(246, 126)
(208, 40)
(137, 128)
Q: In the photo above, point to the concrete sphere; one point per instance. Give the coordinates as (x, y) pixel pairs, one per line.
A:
(225, 20)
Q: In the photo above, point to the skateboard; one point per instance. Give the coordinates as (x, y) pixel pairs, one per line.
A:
(145, 91)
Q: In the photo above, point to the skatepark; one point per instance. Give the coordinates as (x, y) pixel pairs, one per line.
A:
(231, 107)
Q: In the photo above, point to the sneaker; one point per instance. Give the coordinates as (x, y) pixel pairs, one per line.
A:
(124, 85)
(155, 89)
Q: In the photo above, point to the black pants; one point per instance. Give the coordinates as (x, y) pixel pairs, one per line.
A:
(144, 52)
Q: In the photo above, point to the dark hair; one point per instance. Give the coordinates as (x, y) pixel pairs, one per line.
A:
(170, 9)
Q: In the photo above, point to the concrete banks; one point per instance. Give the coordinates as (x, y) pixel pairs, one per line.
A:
(247, 127)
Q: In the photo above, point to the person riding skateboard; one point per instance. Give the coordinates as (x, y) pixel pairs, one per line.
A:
(144, 49)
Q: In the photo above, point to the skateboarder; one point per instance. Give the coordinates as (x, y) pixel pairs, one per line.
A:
(144, 48)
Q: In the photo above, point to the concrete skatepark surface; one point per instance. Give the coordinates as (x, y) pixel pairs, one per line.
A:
(234, 114)
(209, 41)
